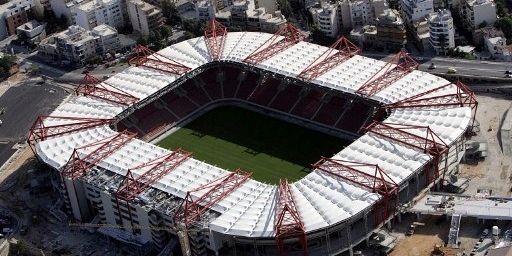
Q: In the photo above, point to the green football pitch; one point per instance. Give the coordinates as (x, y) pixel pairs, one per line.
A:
(233, 137)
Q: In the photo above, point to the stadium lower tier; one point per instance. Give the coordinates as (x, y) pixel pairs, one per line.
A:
(327, 108)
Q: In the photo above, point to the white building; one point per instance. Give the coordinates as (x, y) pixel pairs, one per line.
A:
(477, 12)
(97, 12)
(76, 45)
(108, 38)
(12, 15)
(144, 17)
(326, 18)
(497, 47)
(204, 10)
(32, 31)
(245, 15)
(442, 31)
(416, 10)
(66, 8)
(353, 13)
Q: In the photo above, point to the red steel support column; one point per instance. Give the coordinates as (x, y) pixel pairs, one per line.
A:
(194, 207)
(91, 86)
(285, 37)
(77, 166)
(287, 223)
(215, 37)
(40, 131)
(429, 142)
(147, 58)
(131, 187)
(338, 53)
(401, 65)
(368, 176)
(441, 96)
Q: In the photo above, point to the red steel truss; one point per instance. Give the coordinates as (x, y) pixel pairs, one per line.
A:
(39, 131)
(215, 36)
(429, 142)
(285, 37)
(287, 223)
(339, 52)
(192, 209)
(150, 59)
(94, 87)
(368, 176)
(440, 97)
(77, 166)
(131, 187)
(401, 65)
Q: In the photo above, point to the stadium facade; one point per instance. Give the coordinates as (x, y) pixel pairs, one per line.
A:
(413, 127)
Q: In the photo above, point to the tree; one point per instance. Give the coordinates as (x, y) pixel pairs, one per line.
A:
(505, 24)
(143, 40)
(192, 26)
(165, 31)
(483, 24)
(285, 7)
(170, 13)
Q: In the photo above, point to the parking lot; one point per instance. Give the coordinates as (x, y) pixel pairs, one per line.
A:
(21, 104)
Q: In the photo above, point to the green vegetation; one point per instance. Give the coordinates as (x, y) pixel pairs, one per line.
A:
(231, 137)
(6, 63)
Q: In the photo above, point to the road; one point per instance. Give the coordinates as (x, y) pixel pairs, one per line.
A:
(487, 69)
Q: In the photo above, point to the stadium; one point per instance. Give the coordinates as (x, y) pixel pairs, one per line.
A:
(248, 143)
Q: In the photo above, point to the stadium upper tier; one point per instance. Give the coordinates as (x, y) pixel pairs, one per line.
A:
(321, 199)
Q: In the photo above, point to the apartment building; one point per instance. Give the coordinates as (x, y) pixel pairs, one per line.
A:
(326, 19)
(498, 49)
(475, 13)
(12, 15)
(391, 32)
(442, 31)
(76, 45)
(108, 38)
(97, 12)
(355, 13)
(144, 17)
(416, 10)
(245, 15)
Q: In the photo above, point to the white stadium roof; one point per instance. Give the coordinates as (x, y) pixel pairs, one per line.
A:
(321, 199)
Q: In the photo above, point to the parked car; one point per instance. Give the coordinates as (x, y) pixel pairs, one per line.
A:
(432, 66)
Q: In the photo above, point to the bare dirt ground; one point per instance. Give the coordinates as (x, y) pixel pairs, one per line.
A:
(494, 173)
(422, 242)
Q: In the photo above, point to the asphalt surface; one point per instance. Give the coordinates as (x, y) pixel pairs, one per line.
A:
(23, 103)
(475, 68)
